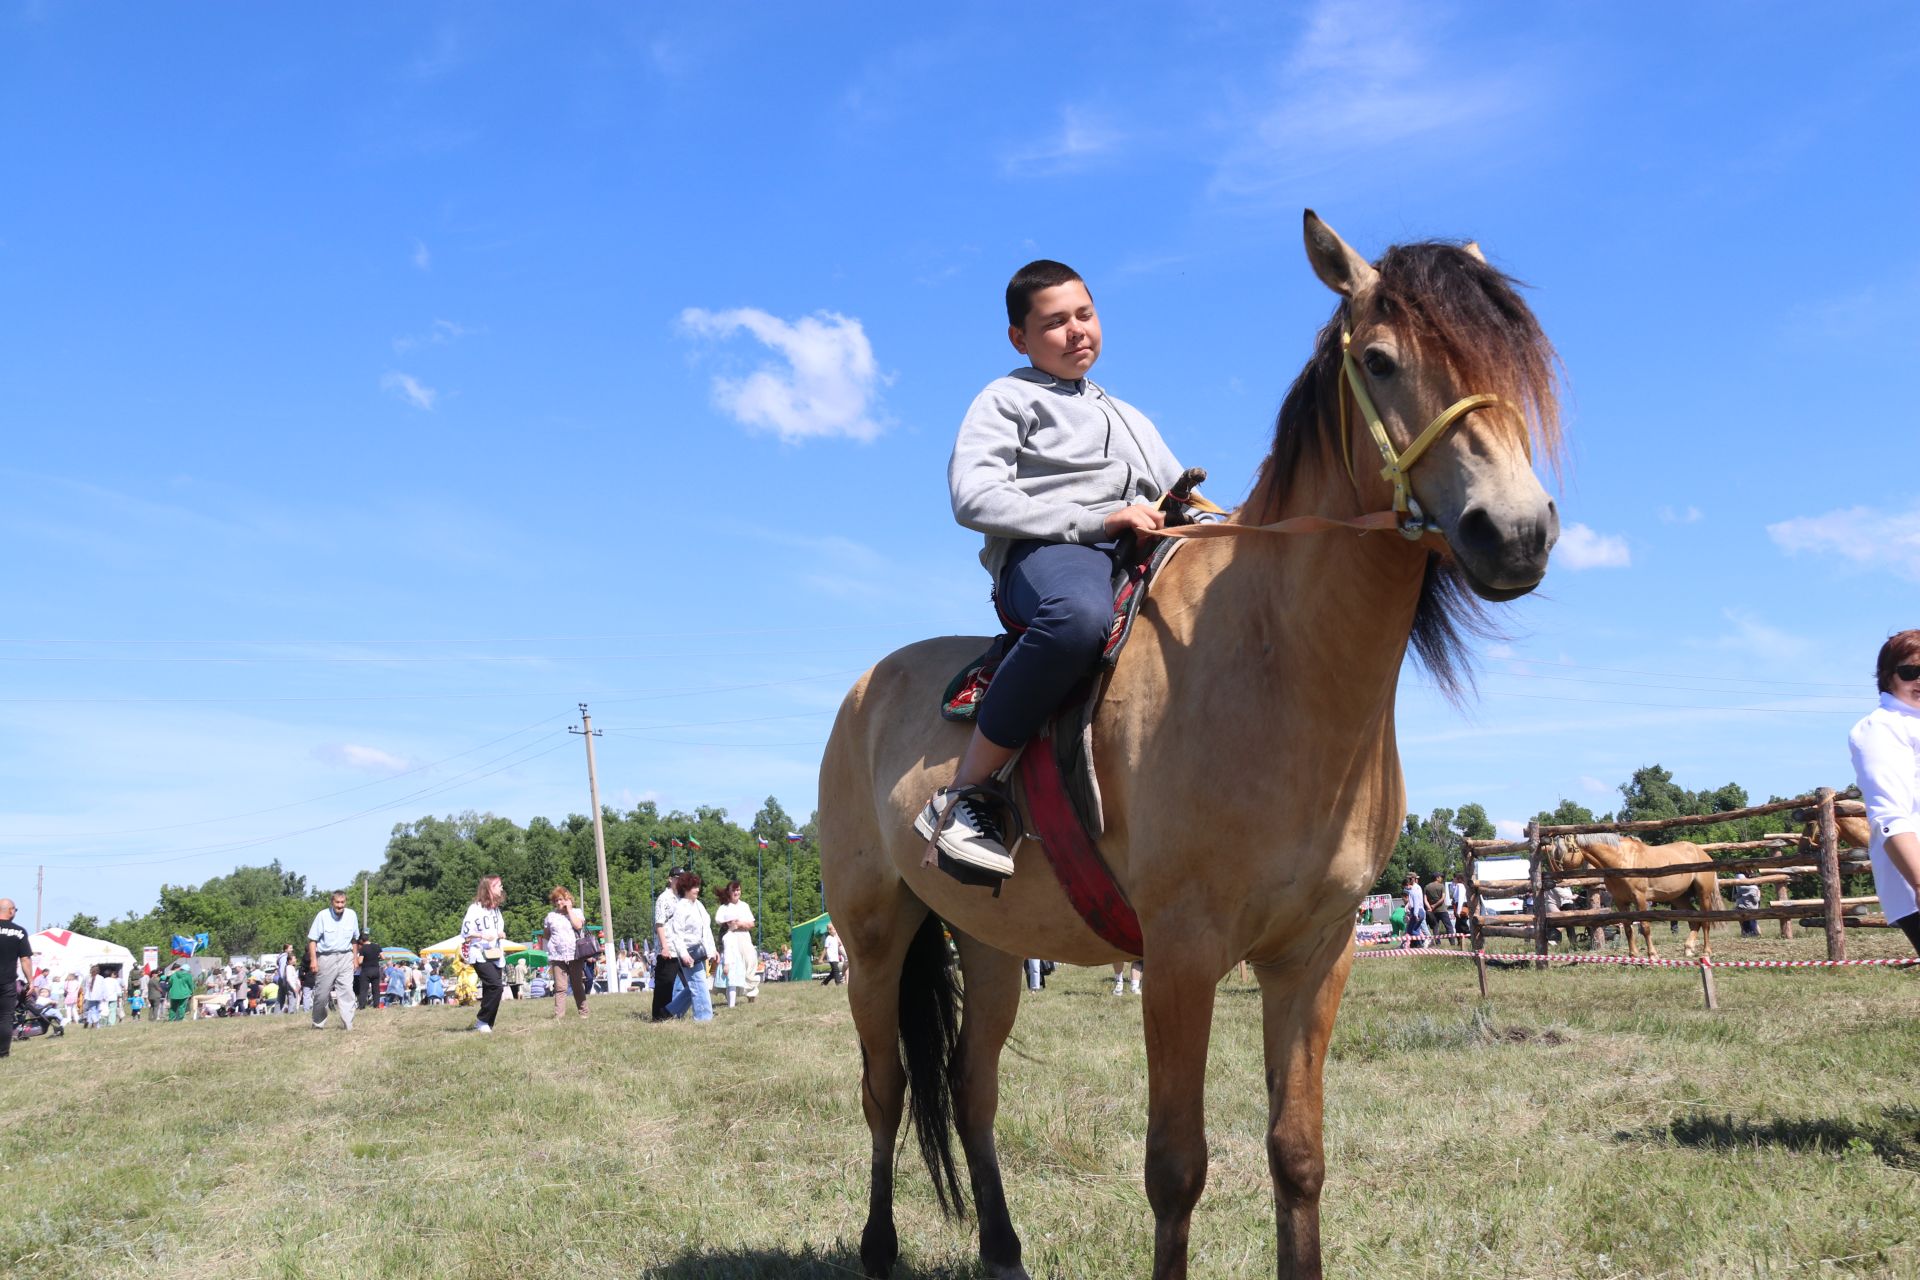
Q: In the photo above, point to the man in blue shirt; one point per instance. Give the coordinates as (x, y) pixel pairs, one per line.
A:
(331, 955)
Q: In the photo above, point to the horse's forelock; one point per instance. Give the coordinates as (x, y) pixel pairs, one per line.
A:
(1474, 317)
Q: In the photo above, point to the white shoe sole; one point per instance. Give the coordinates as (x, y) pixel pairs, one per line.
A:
(1000, 865)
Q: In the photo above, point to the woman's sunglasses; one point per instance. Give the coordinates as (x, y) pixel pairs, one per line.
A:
(1908, 671)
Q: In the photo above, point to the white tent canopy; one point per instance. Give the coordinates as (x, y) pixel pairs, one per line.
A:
(451, 947)
(61, 951)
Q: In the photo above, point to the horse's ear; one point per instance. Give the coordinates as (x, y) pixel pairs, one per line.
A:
(1334, 261)
(1472, 248)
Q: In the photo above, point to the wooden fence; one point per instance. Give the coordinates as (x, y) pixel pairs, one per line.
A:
(1795, 855)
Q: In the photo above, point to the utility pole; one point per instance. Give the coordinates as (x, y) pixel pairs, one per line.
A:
(39, 893)
(608, 965)
(365, 890)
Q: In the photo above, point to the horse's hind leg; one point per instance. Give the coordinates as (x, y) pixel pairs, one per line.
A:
(876, 928)
(993, 1001)
(1297, 1010)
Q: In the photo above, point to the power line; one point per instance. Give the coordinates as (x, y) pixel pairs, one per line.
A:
(709, 724)
(254, 813)
(390, 659)
(1678, 675)
(1663, 706)
(1853, 698)
(316, 644)
(614, 696)
(236, 846)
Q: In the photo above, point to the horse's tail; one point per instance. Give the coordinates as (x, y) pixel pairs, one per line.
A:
(1709, 887)
(929, 1034)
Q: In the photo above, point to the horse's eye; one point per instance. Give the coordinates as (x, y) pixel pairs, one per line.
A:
(1379, 364)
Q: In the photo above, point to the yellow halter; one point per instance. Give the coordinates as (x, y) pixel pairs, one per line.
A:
(1411, 521)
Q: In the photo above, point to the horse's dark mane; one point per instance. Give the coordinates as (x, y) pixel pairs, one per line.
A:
(1453, 307)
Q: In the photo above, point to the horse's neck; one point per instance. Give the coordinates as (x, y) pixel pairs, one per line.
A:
(1313, 622)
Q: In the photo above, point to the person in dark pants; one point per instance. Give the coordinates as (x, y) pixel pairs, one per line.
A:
(483, 936)
(666, 970)
(16, 960)
(366, 982)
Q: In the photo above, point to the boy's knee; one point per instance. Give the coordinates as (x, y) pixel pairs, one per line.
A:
(1082, 625)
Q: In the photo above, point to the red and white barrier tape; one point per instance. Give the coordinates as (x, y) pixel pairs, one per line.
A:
(1402, 952)
(1898, 962)
(1401, 940)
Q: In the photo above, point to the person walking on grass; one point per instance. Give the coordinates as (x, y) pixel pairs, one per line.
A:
(666, 970)
(560, 939)
(483, 936)
(736, 922)
(836, 957)
(367, 983)
(690, 942)
(180, 990)
(16, 969)
(330, 954)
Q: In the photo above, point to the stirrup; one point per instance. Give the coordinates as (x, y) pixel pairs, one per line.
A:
(994, 794)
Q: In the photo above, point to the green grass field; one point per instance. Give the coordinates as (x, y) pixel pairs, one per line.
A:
(1585, 1122)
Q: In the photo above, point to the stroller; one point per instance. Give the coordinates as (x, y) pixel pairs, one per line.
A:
(31, 1019)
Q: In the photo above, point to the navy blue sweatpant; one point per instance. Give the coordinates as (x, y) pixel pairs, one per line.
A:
(1063, 594)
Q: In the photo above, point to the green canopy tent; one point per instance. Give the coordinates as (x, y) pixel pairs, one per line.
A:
(803, 935)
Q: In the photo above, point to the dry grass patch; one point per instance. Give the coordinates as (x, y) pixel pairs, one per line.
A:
(1591, 1123)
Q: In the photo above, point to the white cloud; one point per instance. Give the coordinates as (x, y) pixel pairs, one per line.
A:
(1081, 140)
(1581, 548)
(828, 386)
(1761, 639)
(1510, 828)
(1863, 537)
(421, 258)
(352, 755)
(1685, 515)
(442, 333)
(410, 389)
(1593, 786)
(1367, 80)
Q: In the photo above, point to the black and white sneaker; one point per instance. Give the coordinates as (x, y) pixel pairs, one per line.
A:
(970, 833)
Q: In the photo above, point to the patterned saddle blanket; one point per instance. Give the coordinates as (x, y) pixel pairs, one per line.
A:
(1070, 730)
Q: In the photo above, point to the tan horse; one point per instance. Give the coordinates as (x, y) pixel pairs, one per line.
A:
(1610, 853)
(1251, 781)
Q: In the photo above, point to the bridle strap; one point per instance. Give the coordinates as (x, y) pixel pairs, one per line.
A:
(1399, 466)
(1406, 516)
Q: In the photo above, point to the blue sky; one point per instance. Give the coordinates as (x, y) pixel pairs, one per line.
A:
(377, 385)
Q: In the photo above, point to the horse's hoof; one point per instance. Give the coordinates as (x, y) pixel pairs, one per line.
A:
(879, 1247)
(1014, 1272)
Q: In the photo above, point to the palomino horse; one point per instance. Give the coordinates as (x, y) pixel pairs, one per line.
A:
(1247, 763)
(1616, 856)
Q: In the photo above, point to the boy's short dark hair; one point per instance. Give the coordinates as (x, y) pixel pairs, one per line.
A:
(1041, 273)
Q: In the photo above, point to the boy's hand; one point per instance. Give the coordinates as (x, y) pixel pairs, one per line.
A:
(1135, 517)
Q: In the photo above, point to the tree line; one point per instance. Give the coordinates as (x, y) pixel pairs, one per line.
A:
(431, 867)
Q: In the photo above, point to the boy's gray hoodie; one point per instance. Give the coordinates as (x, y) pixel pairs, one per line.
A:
(1040, 458)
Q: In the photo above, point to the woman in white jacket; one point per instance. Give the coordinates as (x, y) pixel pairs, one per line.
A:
(1886, 761)
(483, 934)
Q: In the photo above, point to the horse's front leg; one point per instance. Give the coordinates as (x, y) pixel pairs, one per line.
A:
(1297, 1006)
(1177, 1005)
